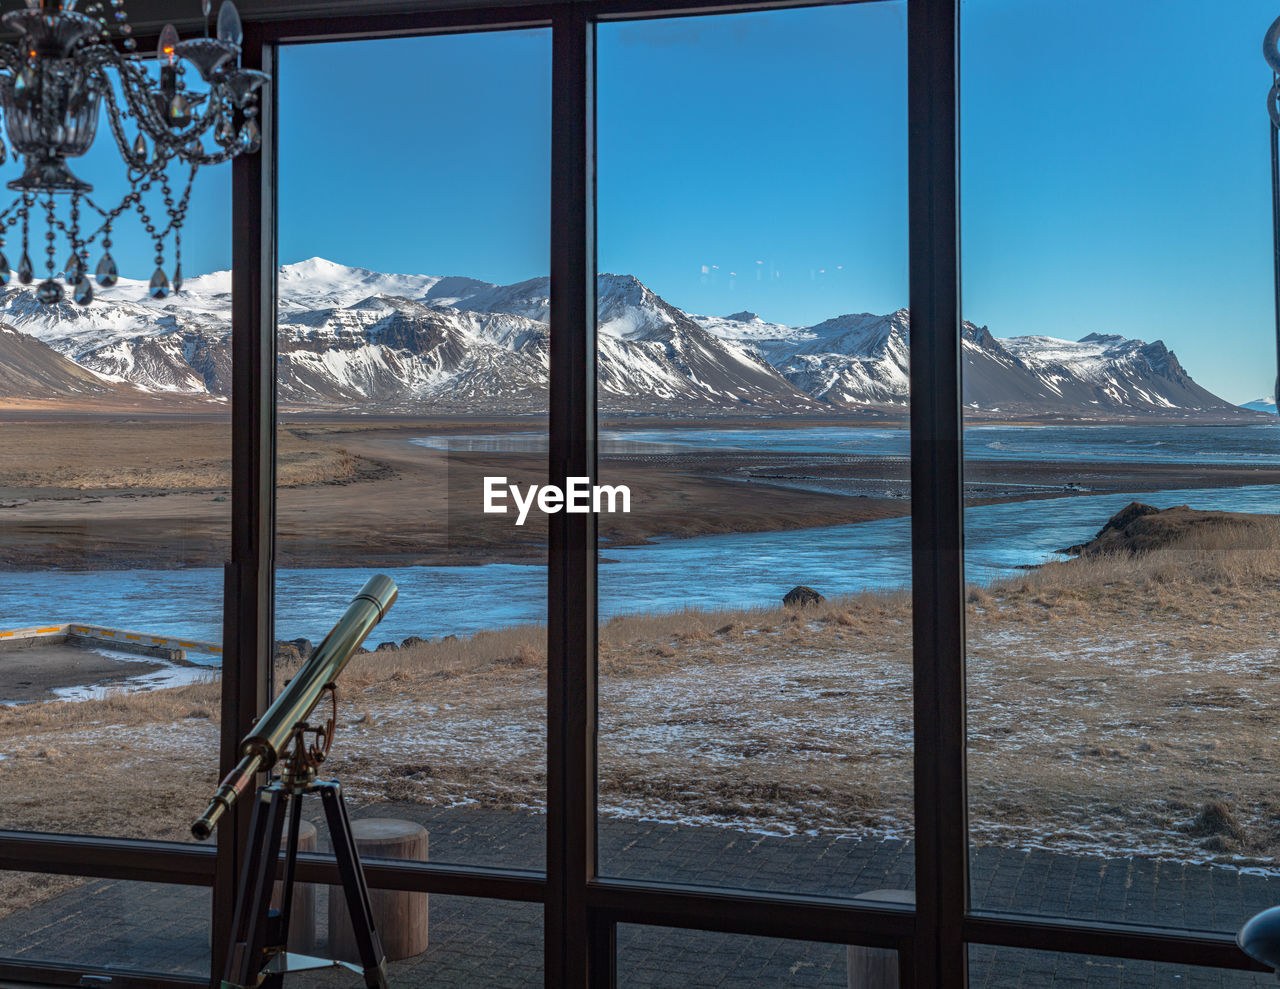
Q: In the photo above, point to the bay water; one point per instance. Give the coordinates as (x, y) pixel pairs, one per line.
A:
(716, 571)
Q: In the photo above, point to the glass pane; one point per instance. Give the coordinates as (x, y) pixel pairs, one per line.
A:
(114, 516)
(672, 958)
(470, 942)
(104, 923)
(398, 395)
(1119, 531)
(1017, 968)
(755, 626)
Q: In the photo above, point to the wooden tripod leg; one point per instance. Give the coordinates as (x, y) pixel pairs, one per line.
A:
(290, 865)
(372, 957)
(253, 899)
(278, 920)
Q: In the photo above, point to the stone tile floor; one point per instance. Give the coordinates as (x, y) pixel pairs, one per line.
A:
(485, 943)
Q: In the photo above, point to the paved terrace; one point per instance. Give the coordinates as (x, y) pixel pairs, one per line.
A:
(478, 943)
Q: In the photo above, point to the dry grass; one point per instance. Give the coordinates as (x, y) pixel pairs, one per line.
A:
(1116, 705)
(153, 454)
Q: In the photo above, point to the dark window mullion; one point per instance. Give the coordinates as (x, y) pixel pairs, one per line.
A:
(248, 621)
(937, 517)
(571, 564)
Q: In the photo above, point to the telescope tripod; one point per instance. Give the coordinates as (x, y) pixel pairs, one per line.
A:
(259, 958)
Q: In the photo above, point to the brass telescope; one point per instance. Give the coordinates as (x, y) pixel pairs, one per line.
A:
(267, 741)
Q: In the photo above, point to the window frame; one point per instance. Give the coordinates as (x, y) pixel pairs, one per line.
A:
(582, 910)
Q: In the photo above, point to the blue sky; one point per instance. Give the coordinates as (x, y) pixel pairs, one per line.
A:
(1114, 167)
(1115, 177)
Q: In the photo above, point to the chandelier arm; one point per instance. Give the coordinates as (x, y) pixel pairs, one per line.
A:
(133, 79)
(133, 84)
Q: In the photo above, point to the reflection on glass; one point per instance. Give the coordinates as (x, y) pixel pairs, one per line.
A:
(997, 968)
(670, 958)
(755, 624)
(470, 943)
(140, 926)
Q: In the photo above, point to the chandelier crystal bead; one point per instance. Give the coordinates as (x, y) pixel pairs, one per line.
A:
(159, 286)
(49, 292)
(83, 290)
(107, 274)
(71, 68)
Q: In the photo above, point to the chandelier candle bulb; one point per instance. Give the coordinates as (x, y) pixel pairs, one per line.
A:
(168, 42)
(229, 29)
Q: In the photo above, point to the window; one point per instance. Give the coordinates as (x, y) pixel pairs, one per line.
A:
(646, 104)
(411, 366)
(753, 394)
(1120, 657)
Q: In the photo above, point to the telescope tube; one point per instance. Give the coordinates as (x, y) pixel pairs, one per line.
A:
(271, 735)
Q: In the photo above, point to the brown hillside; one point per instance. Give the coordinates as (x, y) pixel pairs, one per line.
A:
(32, 369)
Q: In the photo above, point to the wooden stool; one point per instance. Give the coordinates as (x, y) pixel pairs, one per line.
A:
(877, 968)
(400, 917)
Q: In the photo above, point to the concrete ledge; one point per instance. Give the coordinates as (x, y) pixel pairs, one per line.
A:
(87, 636)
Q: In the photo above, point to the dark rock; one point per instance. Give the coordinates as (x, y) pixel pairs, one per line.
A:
(413, 640)
(285, 652)
(387, 647)
(800, 596)
(304, 647)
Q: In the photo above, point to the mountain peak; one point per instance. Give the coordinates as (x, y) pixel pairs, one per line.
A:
(355, 337)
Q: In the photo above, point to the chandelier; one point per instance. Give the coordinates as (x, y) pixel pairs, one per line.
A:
(54, 82)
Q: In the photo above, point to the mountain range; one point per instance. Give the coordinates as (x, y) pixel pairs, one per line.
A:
(350, 337)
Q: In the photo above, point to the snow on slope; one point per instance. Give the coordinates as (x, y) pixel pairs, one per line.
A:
(352, 336)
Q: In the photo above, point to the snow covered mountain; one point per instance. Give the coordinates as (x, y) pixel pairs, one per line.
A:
(1267, 405)
(858, 360)
(353, 337)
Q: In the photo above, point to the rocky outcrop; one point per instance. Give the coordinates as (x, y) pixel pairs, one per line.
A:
(1139, 528)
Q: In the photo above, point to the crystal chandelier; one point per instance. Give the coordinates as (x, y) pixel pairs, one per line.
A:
(54, 81)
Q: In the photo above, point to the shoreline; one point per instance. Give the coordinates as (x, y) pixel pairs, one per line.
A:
(355, 492)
